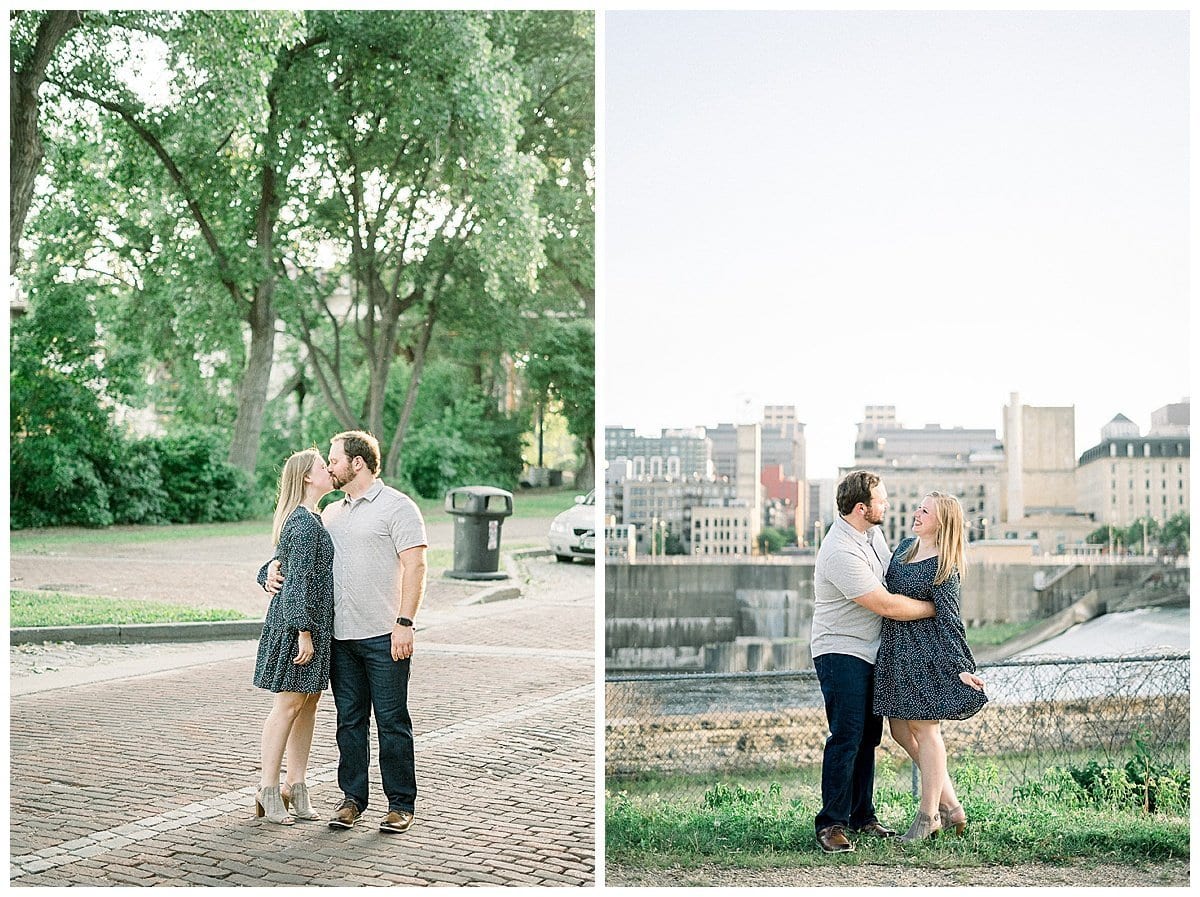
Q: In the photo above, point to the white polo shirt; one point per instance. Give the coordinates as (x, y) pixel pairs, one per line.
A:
(368, 534)
(849, 564)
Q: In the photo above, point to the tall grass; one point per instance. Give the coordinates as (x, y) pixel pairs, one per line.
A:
(1071, 812)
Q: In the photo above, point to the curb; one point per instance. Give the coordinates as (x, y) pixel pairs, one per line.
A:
(138, 633)
(507, 591)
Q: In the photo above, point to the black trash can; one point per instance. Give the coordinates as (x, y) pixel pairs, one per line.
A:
(478, 513)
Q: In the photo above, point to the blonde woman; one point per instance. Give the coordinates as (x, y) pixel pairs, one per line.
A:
(925, 672)
(293, 652)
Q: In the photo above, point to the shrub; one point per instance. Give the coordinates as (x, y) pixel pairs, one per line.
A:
(1141, 783)
(200, 485)
(55, 486)
(466, 446)
(137, 493)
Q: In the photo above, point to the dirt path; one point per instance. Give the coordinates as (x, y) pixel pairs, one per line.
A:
(1168, 873)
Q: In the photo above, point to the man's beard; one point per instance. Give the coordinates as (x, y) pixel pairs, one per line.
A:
(337, 481)
(872, 518)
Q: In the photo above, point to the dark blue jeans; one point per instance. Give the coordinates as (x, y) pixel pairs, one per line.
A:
(848, 767)
(364, 676)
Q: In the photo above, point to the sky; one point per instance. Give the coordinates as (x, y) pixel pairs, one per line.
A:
(927, 210)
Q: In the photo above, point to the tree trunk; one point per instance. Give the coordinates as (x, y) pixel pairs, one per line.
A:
(392, 466)
(25, 150)
(252, 391)
(585, 476)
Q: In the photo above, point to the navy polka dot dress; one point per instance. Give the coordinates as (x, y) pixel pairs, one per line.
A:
(916, 672)
(304, 603)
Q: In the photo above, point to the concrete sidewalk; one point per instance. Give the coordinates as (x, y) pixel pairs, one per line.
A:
(138, 764)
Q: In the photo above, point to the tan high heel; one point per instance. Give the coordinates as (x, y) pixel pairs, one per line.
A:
(297, 800)
(923, 827)
(268, 804)
(954, 817)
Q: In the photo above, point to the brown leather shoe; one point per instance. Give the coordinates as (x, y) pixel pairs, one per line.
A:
(833, 840)
(877, 829)
(396, 821)
(345, 815)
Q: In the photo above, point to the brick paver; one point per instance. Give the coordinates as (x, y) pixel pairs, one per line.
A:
(150, 780)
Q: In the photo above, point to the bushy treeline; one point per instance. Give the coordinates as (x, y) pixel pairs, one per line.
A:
(71, 465)
(181, 478)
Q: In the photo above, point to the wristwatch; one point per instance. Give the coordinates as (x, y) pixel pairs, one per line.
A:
(404, 621)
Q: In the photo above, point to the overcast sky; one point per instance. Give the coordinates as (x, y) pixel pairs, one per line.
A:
(927, 210)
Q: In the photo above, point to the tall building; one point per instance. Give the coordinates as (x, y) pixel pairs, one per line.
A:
(783, 440)
(674, 453)
(1039, 446)
(915, 461)
(783, 445)
(723, 439)
(781, 496)
(668, 505)
(1040, 483)
(1128, 476)
(822, 509)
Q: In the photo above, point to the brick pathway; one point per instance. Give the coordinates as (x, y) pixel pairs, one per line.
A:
(150, 779)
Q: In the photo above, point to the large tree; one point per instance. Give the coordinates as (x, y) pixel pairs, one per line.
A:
(36, 37)
(420, 184)
(212, 140)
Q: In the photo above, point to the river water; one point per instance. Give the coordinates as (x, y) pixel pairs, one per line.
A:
(1147, 630)
(1129, 635)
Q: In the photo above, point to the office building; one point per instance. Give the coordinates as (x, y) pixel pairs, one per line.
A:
(1128, 476)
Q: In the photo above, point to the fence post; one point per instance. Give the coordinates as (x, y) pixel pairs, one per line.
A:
(916, 792)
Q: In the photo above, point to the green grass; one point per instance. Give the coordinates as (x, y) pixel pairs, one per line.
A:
(529, 504)
(745, 824)
(57, 609)
(997, 633)
(534, 504)
(42, 541)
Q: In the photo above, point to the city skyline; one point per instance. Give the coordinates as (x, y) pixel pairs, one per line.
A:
(928, 210)
(1142, 421)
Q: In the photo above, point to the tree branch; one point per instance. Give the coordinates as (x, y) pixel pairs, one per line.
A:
(193, 204)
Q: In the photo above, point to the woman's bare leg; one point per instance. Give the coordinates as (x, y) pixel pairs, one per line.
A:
(931, 760)
(902, 734)
(276, 730)
(299, 742)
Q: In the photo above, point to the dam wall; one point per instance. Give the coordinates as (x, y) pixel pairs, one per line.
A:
(698, 616)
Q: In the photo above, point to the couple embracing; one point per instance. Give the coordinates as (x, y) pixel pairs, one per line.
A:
(346, 584)
(888, 640)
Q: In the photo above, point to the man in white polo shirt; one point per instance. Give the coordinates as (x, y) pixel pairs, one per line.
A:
(850, 603)
(379, 547)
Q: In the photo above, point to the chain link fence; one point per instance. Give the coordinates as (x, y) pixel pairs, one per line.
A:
(684, 732)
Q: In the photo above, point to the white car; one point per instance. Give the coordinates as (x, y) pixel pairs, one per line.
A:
(573, 532)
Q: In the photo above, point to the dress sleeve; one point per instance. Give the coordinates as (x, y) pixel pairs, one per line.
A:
(262, 571)
(946, 603)
(298, 543)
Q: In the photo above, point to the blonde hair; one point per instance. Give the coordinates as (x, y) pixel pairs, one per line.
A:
(950, 539)
(291, 487)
